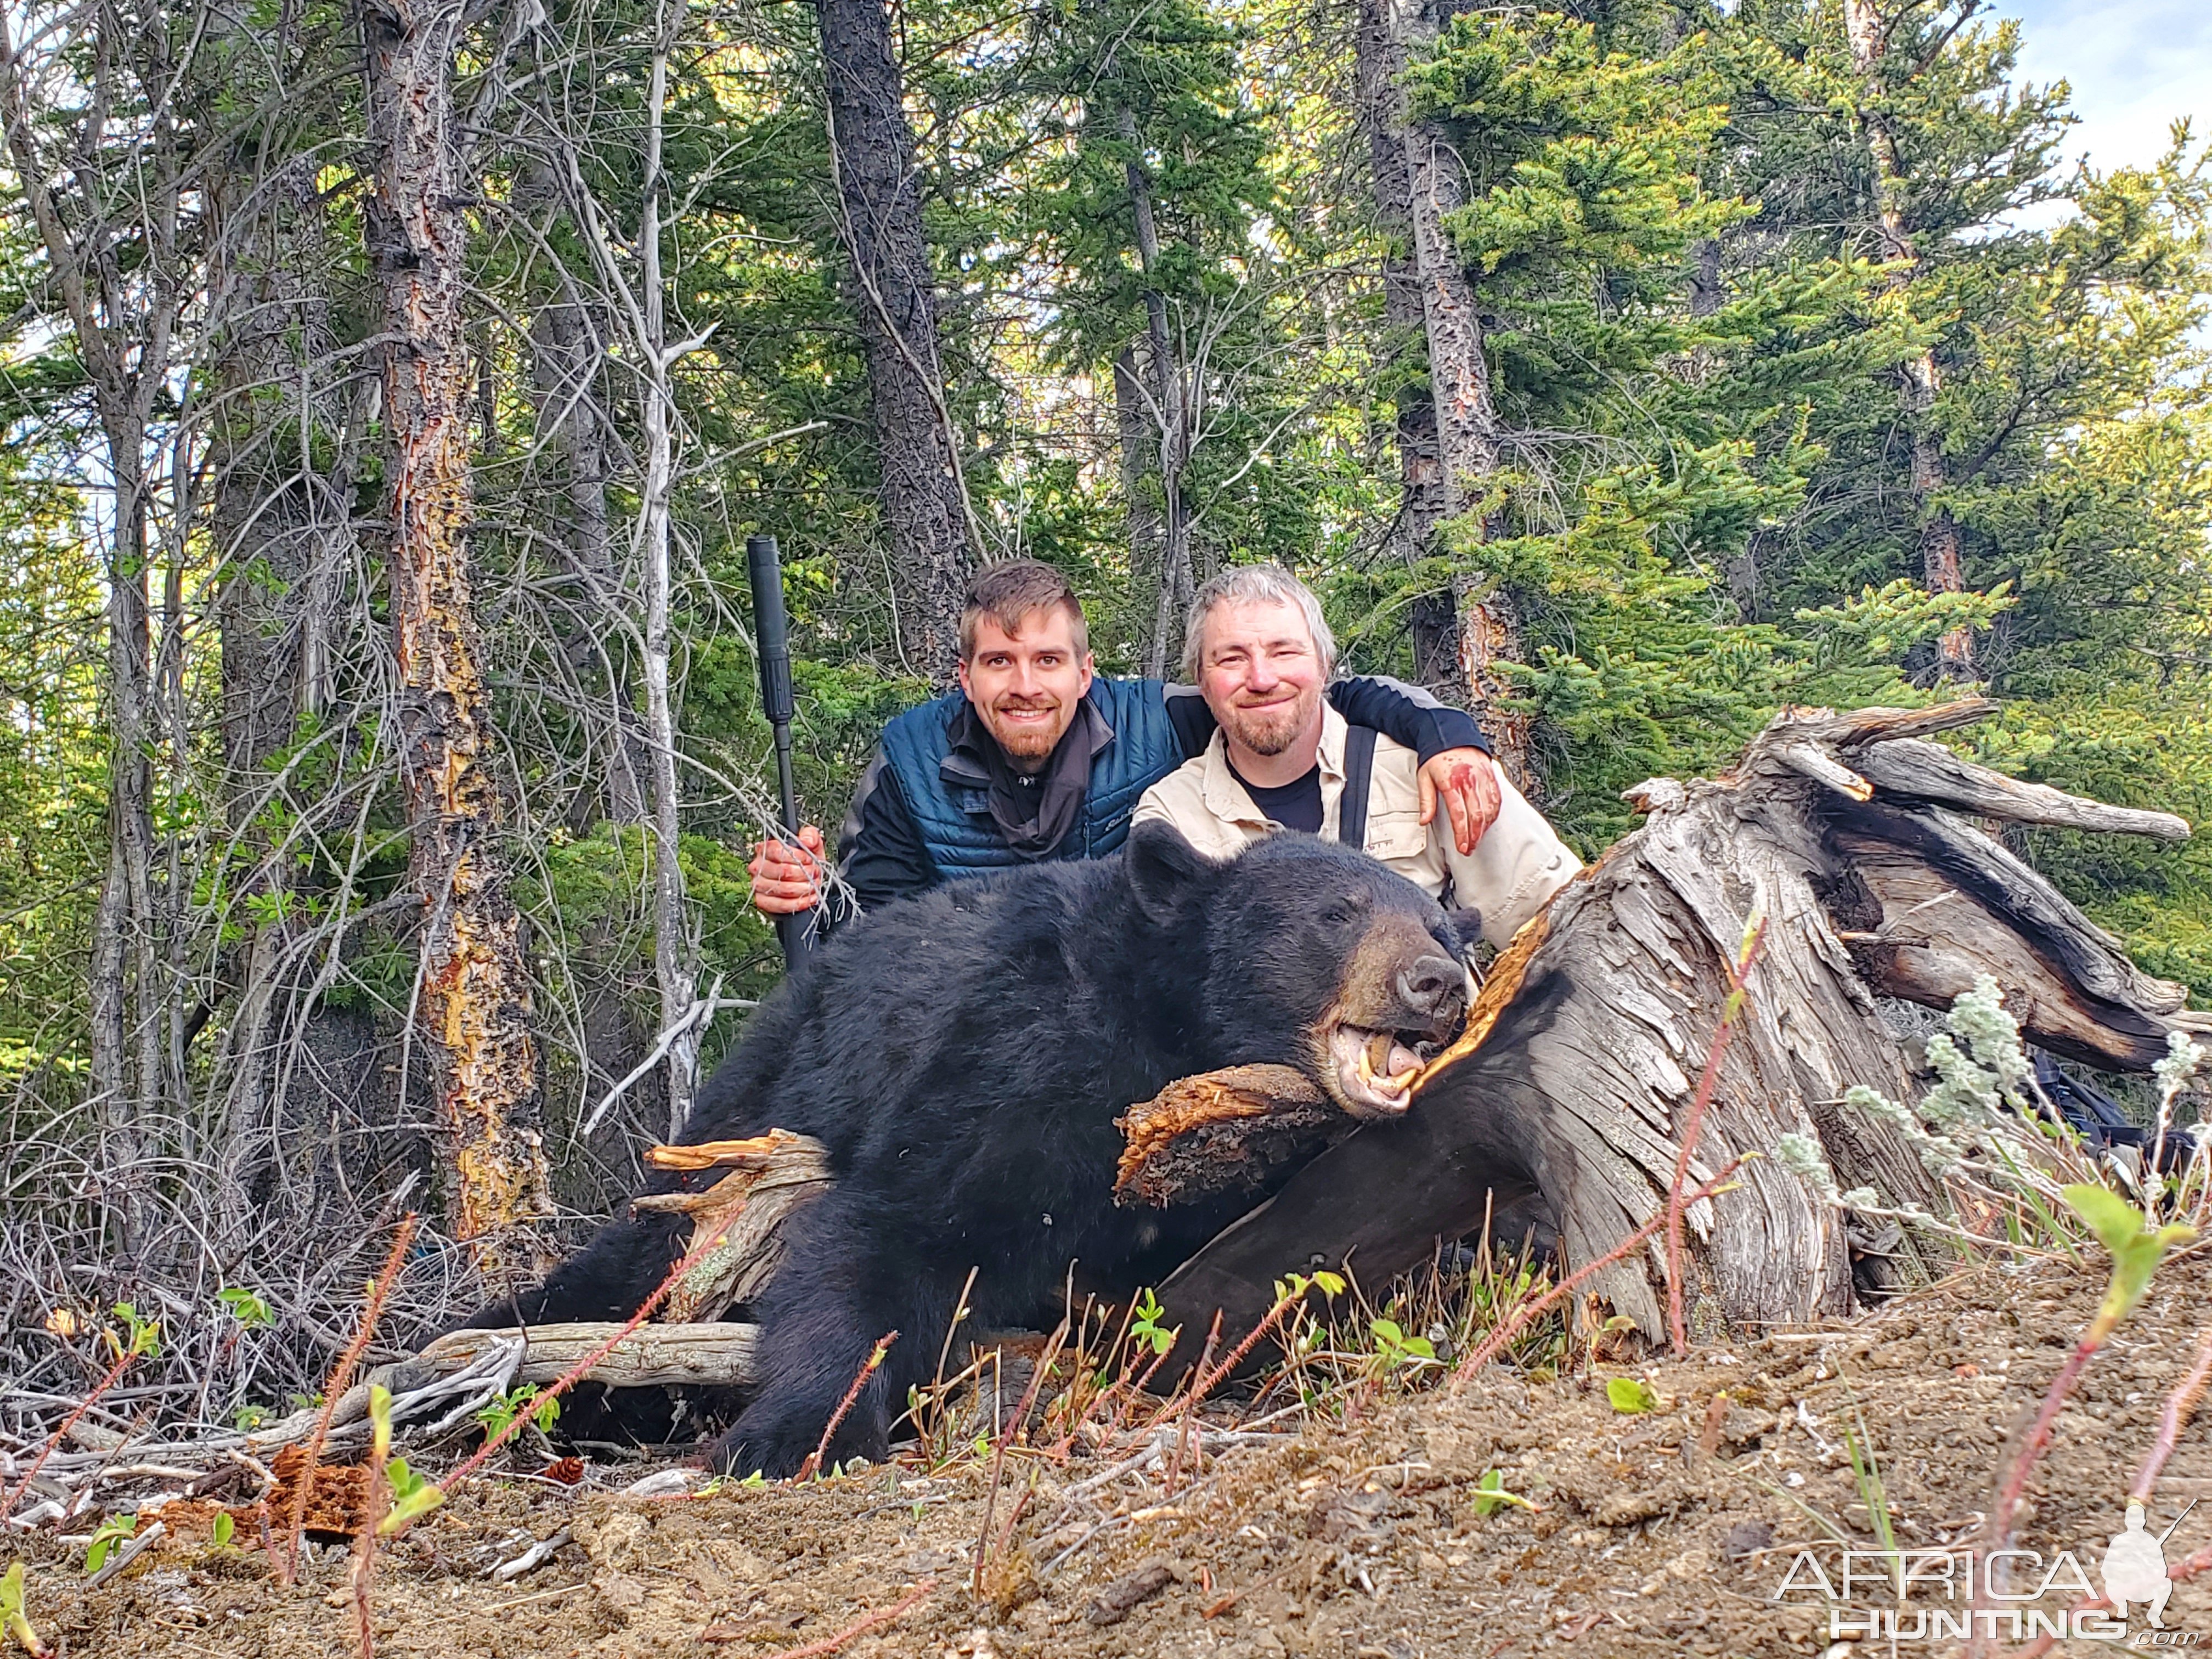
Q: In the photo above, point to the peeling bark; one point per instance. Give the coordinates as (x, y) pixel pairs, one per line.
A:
(1222, 1131)
(473, 996)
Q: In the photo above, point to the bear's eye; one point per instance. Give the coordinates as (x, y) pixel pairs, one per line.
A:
(1343, 911)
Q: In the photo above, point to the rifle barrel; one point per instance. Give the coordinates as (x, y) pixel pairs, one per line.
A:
(772, 640)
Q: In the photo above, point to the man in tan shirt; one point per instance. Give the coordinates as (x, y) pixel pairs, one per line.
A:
(1257, 648)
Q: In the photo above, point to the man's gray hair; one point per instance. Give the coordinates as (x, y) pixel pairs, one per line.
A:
(1248, 584)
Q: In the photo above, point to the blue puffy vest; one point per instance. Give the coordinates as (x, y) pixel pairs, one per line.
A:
(951, 799)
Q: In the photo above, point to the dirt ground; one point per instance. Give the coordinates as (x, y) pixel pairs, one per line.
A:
(1656, 1532)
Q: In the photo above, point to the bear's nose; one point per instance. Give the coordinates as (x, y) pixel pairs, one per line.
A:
(1433, 986)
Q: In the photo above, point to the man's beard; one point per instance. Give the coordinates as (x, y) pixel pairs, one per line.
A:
(1271, 729)
(1028, 742)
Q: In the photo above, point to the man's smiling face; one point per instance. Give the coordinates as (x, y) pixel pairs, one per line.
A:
(1260, 673)
(1026, 685)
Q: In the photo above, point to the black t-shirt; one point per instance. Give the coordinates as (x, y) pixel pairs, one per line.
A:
(1294, 805)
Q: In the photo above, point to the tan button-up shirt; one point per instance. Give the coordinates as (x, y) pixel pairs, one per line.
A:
(1519, 863)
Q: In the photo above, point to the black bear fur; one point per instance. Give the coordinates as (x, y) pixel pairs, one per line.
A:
(963, 1055)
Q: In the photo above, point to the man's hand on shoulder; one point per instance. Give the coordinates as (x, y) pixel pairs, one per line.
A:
(1466, 782)
(787, 879)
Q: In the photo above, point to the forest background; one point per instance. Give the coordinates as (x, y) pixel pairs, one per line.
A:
(391, 389)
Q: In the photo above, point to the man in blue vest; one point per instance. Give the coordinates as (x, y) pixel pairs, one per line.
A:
(1038, 756)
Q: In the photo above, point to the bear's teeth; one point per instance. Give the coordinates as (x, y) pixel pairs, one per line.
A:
(1375, 1055)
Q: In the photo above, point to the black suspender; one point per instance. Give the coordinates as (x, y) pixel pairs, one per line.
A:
(1358, 769)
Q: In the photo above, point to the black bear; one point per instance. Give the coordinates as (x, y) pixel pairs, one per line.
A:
(963, 1056)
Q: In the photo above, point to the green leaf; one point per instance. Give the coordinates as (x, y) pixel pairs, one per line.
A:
(116, 1530)
(247, 1308)
(1490, 1495)
(418, 1502)
(2112, 1218)
(15, 1615)
(1631, 1394)
(223, 1529)
(2136, 1249)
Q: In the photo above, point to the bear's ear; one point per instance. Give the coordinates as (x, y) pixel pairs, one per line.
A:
(1165, 869)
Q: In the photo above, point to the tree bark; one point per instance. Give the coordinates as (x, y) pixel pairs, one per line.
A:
(1138, 446)
(1419, 177)
(1379, 66)
(1574, 1081)
(116, 262)
(281, 522)
(707, 1355)
(675, 962)
(925, 502)
(472, 990)
(1867, 34)
(1167, 406)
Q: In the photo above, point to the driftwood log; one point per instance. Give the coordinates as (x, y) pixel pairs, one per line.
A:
(1584, 1046)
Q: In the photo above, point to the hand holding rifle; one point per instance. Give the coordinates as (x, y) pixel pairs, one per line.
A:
(787, 875)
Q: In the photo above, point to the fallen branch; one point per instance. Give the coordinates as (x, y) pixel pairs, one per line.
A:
(711, 1355)
(707, 1241)
(114, 1371)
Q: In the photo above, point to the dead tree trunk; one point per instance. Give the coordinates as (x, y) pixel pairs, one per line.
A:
(1138, 446)
(1461, 411)
(1583, 1051)
(925, 500)
(104, 182)
(1921, 378)
(472, 990)
(1379, 63)
(1380, 69)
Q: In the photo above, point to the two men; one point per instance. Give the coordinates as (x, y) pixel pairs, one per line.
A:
(1038, 756)
(1259, 652)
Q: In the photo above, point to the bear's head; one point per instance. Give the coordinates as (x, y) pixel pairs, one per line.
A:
(1316, 956)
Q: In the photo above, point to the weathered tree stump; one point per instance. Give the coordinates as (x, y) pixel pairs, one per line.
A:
(771, 1177)
(1582, 1051)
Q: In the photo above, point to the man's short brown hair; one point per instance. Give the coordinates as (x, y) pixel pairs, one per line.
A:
(1010, 593)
